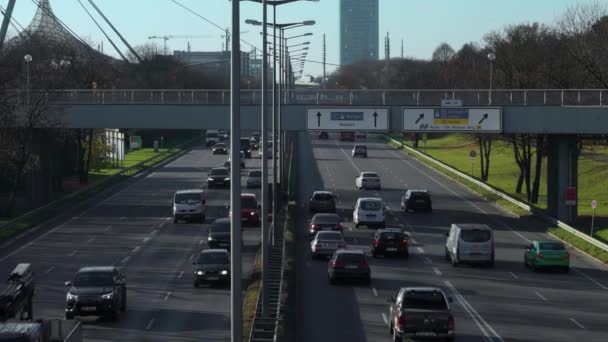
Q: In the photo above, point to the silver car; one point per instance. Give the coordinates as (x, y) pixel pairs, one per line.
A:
(254, 179)
(368, 180)
(326, 243)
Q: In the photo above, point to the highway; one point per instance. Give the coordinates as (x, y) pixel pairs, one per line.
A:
(131, 227)
(504, 303)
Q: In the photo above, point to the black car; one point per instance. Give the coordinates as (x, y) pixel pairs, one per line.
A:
(390, 241)
(323, 201)
(96, 291)
(348, 264)
(246, 147)
(416, 200)
(212, 267)
(219, 234)
(359, 151)
(220, 148)
(325, 222)
(219, 176)
(323, 135)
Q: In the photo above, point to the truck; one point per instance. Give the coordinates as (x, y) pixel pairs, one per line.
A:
(17, 313)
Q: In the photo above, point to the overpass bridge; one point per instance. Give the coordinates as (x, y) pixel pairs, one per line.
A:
(562, 114)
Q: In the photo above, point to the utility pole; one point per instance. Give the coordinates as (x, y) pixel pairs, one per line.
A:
(264, 138)
(401, 49)
(324, 61)
(7, 19)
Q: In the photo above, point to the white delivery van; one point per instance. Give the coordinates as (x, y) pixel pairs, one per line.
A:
(470, 243)
(189, 205)
(369, 211)
(212, 137)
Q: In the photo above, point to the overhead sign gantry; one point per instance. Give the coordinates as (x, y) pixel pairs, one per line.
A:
(452, 119)
(345, 119)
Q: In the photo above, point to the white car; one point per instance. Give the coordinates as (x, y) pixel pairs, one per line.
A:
(369, 211)
(368, 180)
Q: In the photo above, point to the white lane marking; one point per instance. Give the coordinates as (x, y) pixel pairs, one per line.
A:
(49, 270)
(136, 249)
(146, 240)
(375, 292)
(181, 274)
(485, 328)
(384, 318)
(191, 257)
(151, 175)
(149, 326)
(347, 157)
(577, 323)
(162, 224)
(107, 228)
(593, 280)
(514, 275)
(91, 240)
(125, 259)
(73, 253)
(540, 296)
(167, 295)
(414, 240)
(152, 233)
(427, 260)
(201, 242)
(350, 228)
(420, 250)
(437, 271)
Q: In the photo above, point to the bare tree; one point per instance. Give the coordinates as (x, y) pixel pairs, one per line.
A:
(443, 53)
(485, 152)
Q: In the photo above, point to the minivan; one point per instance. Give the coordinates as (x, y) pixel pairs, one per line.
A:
(368, 211)
(189, 205)
(212, 137)
(470, 243)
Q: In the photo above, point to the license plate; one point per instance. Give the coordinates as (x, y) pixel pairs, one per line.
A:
(425, 333)
(352, 267)
(419, 201)
(391, 249)
(88, 308)
(370, 215)
(325, 228)
(243, 219)
(213, 278)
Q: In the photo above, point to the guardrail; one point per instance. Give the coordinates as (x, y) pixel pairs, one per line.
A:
(109, 180)
(520, 204)
(383, 97)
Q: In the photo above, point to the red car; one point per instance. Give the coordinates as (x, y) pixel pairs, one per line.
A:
(250, 209)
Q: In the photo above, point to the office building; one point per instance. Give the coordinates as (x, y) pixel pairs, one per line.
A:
(359, 30)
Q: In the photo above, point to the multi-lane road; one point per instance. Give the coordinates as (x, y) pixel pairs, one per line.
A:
(131, 227)
(504, 303)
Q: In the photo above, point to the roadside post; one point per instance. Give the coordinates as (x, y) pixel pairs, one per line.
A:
(472, 154)
(593, 206)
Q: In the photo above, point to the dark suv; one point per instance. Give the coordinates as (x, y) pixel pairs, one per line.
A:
(212, 267)
(348, 264)
(219, 234)
(390, 241)
(416, 200)
(219, 176)
(96, 291)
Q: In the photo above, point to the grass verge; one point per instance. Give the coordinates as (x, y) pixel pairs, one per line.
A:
(580, 244)
(251, 298)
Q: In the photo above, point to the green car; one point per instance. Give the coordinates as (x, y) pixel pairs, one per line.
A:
(547, 253)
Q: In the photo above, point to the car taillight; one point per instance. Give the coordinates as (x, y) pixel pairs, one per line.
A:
(377, 243)
(364, 263)
(539, 256)
(451, 324)
(336, 264)
(317, 245)
(567, 255)
(342, 245)
(339, 227)
(404, 243)
(401, 321)
(314, 227)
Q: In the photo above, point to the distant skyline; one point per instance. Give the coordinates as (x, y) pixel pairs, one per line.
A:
(422, 24)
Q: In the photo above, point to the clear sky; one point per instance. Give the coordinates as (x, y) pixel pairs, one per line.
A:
(423, 24)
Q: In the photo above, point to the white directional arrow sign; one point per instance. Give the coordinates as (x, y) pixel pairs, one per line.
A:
(452, 119)
(345, 119)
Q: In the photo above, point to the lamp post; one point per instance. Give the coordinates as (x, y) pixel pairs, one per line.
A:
(491, 58)
(28, 60)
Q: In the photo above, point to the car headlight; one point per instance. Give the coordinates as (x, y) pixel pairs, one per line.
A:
(209, 238)
(224, 272)
(227, 179)
(71, 297)
(200, 272)
(210, 179)
(252, 213)
(108, 296)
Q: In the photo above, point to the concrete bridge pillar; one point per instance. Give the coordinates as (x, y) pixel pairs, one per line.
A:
(562, 172)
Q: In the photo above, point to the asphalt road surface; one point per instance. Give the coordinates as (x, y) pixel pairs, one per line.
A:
(132, 228)
(504, 303)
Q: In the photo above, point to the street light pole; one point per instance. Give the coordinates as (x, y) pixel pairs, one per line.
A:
(265, 249)
(491, 58)
(236, 298)
(274, 121)
(28, 59)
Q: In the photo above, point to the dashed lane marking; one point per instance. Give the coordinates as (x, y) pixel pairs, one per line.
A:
(420, 250)
(91, 240)
(593, 280)
(375, 291)
(167, 295)
(146, 240)
(136, 249)
(577, 323)
(513, 275)
(181, 274)
(73, 253)
(125, 259)
(437, 271)
(384, 318)
(49, 270)
(540, 296)
(427, 260)
(150, 324)
(108, 228)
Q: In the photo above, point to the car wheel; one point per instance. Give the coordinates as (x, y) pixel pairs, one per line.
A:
(332, 280)
(406, 255)
(566, 269)
(396, 338)
(203, 218)
(195, 283)
(449, 339)
(374, 254)
(525, 261)
(533, 266)
(368, 280)
(447, 255)
(454, 261)
(175, 220)
(390, 328)
(69, 315)
(123, 304)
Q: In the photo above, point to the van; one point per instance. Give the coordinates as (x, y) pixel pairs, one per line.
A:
(189, 205)
(212, 137)
(369, 211)
(470, 243)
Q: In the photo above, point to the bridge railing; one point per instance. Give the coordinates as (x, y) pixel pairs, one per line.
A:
(378, 97)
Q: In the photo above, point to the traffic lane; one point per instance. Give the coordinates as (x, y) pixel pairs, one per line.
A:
(324, 312)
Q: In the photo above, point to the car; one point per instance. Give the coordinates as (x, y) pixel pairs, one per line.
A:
(96, 291)
(368, 180)
(223, 134)
(347, 136)
(321, 222)
(323, 135)
(228, 165)
(246, 147)
(219, 176)
(547, 254)
(369, 211)
(254, 179)
(470, 243)
(360, 135)
(415, 200)
(348, 264)
(390, 241)
(420, 312)
(250, 209)
(359, 151)
(219, 234)
(254, 140)
(212, 266)
(219, 148)
(267, 152)
(189, 205)
(324, 201)
(326, 242)
(211, 137)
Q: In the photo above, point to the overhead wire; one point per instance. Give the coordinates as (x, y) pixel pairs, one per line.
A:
(103, 31)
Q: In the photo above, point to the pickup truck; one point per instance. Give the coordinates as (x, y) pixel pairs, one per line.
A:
(420, 312)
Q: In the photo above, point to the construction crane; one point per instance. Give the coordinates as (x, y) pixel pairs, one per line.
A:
(167, 37)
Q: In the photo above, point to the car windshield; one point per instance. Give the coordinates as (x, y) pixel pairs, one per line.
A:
(188, 198)
(333, 219)
(360, 148)
(94, 278)
(248, 202)
(475, 235)
(255, 174)
(218, 258)
(219, 172)
(332, 236)
(419, 195)
(371, 205)
(391, 236)
(433, 300)
(369, 175)
(211, 135)
(551, 246)
(322, 196)
(220, 227)
(219, 145)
